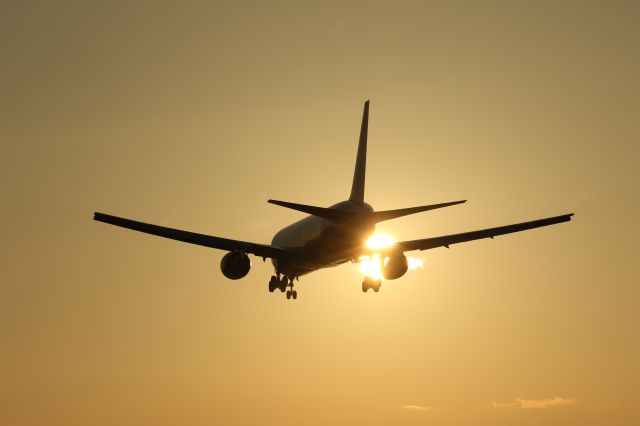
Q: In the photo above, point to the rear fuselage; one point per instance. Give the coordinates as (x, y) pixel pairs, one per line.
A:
(323, 243)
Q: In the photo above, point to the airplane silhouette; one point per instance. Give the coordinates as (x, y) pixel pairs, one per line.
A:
(330, 236)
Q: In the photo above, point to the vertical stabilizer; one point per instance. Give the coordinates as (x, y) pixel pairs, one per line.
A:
(357, 188)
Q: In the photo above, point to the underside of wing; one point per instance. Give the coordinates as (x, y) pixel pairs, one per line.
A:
(446, 240)
(260, 250)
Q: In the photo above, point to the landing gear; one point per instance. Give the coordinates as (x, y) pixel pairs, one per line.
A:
(273, 283)
(278, 282)
(284, 284)
(371, 283)
(292, 294)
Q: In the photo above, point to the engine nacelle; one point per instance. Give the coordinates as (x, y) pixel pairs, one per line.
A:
(395, 266)
(235, 265)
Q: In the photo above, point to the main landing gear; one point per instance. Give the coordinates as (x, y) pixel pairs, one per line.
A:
(282, 283)
(371, 283)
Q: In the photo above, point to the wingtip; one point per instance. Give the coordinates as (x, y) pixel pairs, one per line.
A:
(100, 217)
(279, 203)
(565, 217)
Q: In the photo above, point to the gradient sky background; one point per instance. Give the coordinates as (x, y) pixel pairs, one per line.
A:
(193, 115)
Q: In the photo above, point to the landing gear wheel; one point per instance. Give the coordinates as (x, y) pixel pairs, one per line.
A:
(371, 283)
(367, 284)
(284, 284)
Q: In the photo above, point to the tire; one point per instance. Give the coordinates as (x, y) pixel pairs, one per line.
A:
(288, 295)
(294, 294)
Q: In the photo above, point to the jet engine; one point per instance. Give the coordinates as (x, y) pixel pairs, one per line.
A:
(395, 266)
(235, 265)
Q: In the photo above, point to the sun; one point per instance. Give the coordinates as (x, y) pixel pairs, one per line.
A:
(380, 241)
(371, 266)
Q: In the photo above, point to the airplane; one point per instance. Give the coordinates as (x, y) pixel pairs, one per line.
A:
(329, 236)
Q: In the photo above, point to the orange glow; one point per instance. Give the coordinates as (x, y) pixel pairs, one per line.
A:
(380, 241)
(371, 266)
(414, 263)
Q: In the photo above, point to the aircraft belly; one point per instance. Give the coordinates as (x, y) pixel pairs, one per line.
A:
(318, 254)
(297, 269)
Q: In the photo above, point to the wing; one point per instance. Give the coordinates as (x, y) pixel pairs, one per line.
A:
(446, 240)
(261, 250)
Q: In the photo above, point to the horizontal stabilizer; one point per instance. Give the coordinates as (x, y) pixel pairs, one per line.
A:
(334, 215)
(393, 214)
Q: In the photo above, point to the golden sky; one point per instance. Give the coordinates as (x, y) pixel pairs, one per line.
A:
(192, 115)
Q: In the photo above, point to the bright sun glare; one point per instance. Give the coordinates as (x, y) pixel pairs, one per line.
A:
(380, 241)
(371, 266)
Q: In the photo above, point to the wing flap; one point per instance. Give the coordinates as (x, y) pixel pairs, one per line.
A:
(446, 240)
(261, 250)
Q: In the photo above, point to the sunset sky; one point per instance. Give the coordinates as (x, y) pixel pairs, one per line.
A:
(193, 114)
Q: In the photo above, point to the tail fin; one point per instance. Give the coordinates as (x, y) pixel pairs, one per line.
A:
(357, 188)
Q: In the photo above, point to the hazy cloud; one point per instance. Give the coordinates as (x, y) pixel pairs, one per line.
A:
(546, 403)
(495, 404)
(536, 403)
(413, 407)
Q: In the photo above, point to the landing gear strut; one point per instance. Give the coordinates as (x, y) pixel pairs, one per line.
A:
(371, 283)
(282, 283)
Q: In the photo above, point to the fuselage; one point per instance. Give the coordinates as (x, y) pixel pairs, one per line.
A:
(323, 243)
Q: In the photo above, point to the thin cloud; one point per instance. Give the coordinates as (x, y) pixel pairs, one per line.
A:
(495, 404)
(413, 407)
(536, 403)
(546, 403)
